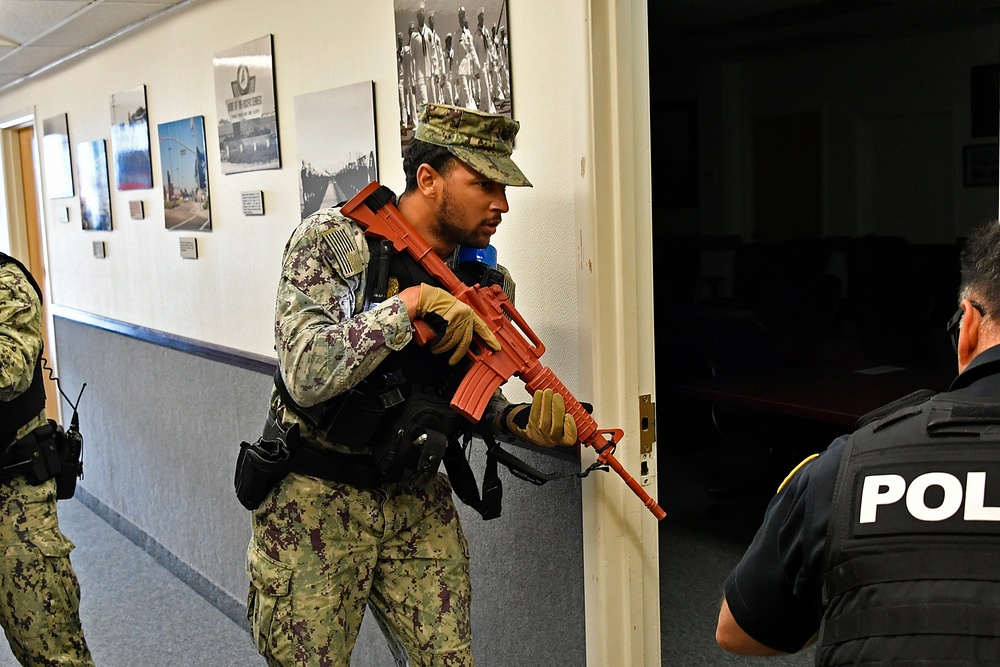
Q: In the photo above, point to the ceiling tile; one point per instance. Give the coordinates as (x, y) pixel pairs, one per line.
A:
(100, 21)
(23, 20)
(27, 59)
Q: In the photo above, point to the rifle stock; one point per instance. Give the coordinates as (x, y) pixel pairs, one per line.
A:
(373, 208)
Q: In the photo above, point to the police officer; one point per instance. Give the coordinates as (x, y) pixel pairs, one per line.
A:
(890, 539)
(364, 518)
(39, 592)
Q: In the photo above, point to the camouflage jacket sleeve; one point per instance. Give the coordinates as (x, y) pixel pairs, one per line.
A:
(20, 332)
(324, 342)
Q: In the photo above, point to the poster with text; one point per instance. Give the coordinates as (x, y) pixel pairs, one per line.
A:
(447, 55)
(56, 152)
(335, 134)
(130, 140)
(184, 170)
(95, 196)
(245, 105)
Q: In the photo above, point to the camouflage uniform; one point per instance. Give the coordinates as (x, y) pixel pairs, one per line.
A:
(40, 608)
(323, 550)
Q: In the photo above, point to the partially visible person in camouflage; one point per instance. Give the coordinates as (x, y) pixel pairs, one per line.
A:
(353, 525)
(39, 592)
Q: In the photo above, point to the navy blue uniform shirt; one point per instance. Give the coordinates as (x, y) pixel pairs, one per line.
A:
(775, 591)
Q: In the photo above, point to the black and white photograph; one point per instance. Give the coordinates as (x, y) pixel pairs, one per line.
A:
(130, 140)
(335, 133)
(451, 53)
(58, 163)
(186, 205)
(95, 196)
(246, 107)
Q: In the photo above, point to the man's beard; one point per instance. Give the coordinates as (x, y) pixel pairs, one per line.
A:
(450, 229)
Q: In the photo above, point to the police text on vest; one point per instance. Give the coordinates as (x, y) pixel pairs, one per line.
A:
(889, 489)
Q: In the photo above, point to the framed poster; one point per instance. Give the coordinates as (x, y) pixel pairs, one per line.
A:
(95, 196)
(58, 163)
(130, 140)
(184, 169)
(449, 56)
(244, 100)
(335, 133)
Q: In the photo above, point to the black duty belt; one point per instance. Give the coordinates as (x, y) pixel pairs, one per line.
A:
(357, 470)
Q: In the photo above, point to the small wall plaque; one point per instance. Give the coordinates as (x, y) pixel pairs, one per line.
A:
(253, 202)
(100, 251)
(189, 247)
(63, 213)
(135, 208)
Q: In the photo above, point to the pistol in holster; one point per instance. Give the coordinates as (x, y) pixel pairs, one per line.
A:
(262, 464)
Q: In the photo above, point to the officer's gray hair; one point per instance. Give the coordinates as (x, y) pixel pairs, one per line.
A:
(981, 266)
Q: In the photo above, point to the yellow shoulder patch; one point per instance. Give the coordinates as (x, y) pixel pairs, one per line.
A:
(797, 468)
(393, 288)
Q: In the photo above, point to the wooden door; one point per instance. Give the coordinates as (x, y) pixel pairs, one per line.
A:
(35, 260)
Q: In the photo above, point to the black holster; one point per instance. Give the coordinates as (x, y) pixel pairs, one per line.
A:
(262, 464)
(36, 456)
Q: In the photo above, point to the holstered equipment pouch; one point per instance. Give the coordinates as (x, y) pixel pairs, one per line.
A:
(36, 456)
(351, 419)
(261, 465)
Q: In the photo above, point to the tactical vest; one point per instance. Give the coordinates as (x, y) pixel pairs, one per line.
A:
(912, 562)
(17, 412)
(407, 396)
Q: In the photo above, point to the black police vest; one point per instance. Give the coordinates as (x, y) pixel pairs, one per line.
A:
(17, 412)
(913, 546)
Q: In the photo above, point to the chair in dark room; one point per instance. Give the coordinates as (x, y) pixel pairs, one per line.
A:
(881, 298)
(738, 343)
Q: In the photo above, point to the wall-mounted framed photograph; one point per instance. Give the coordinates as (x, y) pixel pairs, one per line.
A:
(95, 195)
(335, 134)
(184, 169)
(245, 102)
(980, 165)
(130, 140)
(58, 163)
(448, 55)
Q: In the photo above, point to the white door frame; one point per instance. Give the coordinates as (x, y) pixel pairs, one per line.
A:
(613, 199)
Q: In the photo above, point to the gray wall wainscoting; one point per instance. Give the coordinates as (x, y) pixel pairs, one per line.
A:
(162, 420)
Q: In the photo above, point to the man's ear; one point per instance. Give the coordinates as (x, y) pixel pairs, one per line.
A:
(968, 335)
(428, 180)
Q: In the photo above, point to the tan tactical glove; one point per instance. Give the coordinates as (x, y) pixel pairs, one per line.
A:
(459, 322)
(546, 423)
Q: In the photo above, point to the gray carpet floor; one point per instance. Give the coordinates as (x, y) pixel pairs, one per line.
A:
(136, 613)
(705, 534)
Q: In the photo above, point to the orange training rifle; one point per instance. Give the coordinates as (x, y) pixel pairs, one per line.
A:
(374, 209)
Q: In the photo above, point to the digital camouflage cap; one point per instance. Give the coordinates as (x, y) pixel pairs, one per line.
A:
(484, 141)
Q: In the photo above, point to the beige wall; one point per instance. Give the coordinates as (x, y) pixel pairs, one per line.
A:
(226, 296)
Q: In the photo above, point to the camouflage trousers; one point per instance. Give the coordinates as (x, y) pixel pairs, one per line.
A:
(322, 551)
(39, 592)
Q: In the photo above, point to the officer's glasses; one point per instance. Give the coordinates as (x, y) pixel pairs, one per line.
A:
(955, 323)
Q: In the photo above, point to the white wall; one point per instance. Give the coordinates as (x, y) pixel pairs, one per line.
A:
(226, 296)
